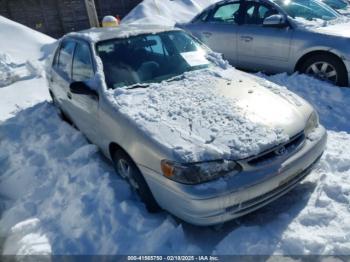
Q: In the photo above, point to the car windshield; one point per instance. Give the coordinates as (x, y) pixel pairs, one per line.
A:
(148, 58)
(336, 4)
(307, 9)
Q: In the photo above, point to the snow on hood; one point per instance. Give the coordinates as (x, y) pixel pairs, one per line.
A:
(341, 29)
(342, 21)
(205, 115)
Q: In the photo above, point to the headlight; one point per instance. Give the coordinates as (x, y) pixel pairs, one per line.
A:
(196, 173)
(312, 123)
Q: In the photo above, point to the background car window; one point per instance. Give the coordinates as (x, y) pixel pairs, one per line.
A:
(158, 46)
(65, 58)
(228, 13)
(256, 13)
(183, 43)
(82, 69)
(308, 9)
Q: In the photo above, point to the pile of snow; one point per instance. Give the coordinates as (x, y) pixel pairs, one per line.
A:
(11, 72)
(22, 57)
(166, 12)
(25, 238)
(22, 43)
(73, 200)
(202, 122)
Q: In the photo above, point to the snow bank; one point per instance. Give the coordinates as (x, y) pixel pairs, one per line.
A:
(22, 43)
(66, 193)
(166, 12)
(11, 72)
(22, 57)
(25, 238)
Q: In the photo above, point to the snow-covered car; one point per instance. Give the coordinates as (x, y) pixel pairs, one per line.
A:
(278, 36)
(191, 134)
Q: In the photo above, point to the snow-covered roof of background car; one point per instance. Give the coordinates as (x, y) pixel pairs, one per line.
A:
(123, 31)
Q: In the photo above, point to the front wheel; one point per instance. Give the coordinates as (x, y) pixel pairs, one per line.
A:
(327, 68)
(128, 170)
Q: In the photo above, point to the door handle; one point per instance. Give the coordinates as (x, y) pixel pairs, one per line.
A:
(207, 34)
(69, 95)
(246, 38)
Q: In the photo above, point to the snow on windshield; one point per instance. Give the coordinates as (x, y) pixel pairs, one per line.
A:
(310, 14)
(316, 23)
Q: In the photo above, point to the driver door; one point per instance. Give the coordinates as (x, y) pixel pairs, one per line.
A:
(84, 108)
(262, 48)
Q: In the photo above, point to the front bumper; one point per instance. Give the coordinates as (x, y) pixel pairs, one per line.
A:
(225, 199)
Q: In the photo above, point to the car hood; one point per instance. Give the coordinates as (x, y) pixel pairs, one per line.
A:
(210, 114)
(341, 29)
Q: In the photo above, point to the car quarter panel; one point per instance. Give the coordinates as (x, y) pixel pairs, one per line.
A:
(306, 42)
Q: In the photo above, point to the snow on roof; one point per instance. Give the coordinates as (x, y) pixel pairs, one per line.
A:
(122, 31)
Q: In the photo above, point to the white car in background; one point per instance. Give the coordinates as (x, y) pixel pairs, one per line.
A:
(191, 134)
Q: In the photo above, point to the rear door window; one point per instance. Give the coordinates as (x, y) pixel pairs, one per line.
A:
(65, 58)
(255, 13)
(227, 13)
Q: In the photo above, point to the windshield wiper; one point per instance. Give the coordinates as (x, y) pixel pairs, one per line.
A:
(137, 86)
(176, 78)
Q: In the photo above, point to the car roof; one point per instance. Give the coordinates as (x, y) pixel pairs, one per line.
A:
(122, 31)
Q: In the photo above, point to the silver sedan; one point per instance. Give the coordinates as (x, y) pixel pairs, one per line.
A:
(190, 134)
(278, 36)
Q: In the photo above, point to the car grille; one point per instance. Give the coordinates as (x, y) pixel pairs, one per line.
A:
(259, 201)
(284, 150)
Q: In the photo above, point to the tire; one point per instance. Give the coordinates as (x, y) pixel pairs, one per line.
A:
(135, 179)
(330, 68)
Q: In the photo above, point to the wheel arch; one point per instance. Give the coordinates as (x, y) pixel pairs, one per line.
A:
(113, 146)
(153, 205)
(309, 54)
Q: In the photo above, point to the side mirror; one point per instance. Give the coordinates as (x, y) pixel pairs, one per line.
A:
(80, 88)
(275, 21)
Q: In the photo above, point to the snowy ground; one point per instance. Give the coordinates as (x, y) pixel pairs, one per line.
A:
(59, 195)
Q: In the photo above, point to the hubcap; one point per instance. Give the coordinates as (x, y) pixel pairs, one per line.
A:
(323, 71)
(124, 169)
